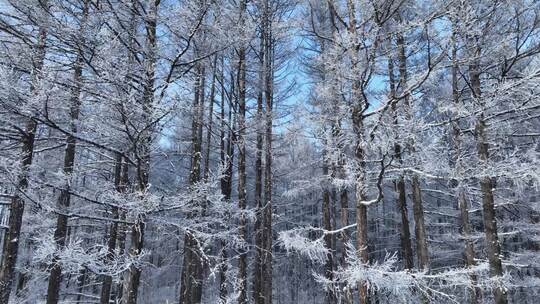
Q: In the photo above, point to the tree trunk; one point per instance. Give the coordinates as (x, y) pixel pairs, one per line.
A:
(405, 233)
(486, 184)
(242, 261)
(419, 228)
(132, 280)
(12, 235)
(462, 200)
(418, 208)
(327, 225)
(358, 128)
(60, 233)
(122, 233)
(113, 233)
(258, 291)
(210, 119)
(227, 159)
(191, 288)
(267, 208)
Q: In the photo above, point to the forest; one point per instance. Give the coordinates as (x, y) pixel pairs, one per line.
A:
(269, 151)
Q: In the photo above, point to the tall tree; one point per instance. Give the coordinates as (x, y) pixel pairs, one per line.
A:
(143, 150)
(12, 237)
(242, 191)
(64, 200)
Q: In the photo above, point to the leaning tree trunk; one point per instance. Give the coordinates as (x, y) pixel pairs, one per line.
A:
(12, 235)
(61, 231)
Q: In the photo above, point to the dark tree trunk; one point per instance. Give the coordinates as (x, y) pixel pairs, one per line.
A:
(358, 128)
(12, 235)
(267, 208)
(405, 233)
(61, 231)
(242, 229)
(227, 160)
(113, 233)
(210, 119)
(487, 185)
(418, 208)
(258, 292)
(463, 205)
(419, 227)
(122, 233)
(192, 276)
(132, 279)
(327, 225)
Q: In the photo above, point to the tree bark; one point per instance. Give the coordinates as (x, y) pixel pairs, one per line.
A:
(106, 286)
(258, 291)
(486, 184)
(12, 235)
(419, 228)
(358, 128)
(327, 225)
(405, 233)
(267, 208)
(418, 208)
(132, 280)
(242, 261)
(463, 205)
(64, 200)
(122, 232)
(192, 276)
(227, 160)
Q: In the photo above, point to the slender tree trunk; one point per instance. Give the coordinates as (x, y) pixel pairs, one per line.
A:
(486, 184)
(358, 128)
(123, 228)
(13, 234)
(362, 241)
(405, 233)
(113, 233)
(419, 228)
(258, 291)
(267, 208)
(343, 237)
(121, 242)
(132, 280)
(327, 225)
(227, 159)
(490, 221)
(242, 261)
(60, 233)
(462, 200)
(191, 288)
(210, 119)
(418, 208)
